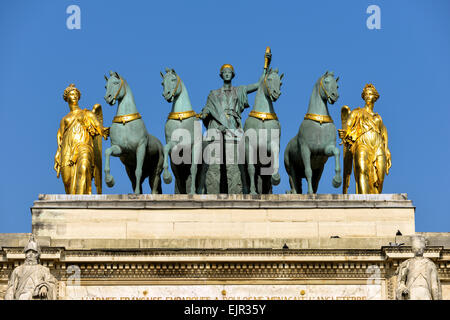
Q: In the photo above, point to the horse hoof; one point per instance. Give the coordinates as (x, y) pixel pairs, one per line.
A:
(167, 177)
(276, 179)
(110, 181)
(337, 181)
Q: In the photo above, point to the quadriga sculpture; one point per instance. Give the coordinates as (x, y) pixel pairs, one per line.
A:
(306, 154)
(181, 120)
(264, 121)
(139, 151)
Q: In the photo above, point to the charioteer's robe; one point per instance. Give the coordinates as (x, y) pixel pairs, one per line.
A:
(27, 280)
(224, 107)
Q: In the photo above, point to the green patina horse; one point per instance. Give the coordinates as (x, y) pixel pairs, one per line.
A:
(180, 125)
(139, 151)
(265, 139)
(306, 154)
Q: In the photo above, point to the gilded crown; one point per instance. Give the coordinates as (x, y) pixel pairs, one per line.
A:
(227, 66)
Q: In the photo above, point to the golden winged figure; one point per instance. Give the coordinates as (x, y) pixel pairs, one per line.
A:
(79, 154)
(365, 142)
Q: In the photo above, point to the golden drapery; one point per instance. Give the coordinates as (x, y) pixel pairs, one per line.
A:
(366, 149)
(78, 157)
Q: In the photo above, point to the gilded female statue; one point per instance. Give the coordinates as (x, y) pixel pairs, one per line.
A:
(79, 155)
(365, 145)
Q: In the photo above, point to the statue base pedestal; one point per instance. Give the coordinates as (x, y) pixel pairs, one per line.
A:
(221, 217)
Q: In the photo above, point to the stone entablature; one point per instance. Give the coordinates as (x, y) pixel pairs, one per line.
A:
(224, 217)
(162, 267)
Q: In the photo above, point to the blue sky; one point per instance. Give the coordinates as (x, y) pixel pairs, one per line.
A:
(407, 60)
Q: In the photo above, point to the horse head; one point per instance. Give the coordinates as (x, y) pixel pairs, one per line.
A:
(328, 87)
(171, 83)
(272, 84)
(115, 88)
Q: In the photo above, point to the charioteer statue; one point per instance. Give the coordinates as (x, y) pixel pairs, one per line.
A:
(222, 114)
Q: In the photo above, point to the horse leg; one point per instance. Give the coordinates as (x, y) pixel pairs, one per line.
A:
(273, 165)
(131, 176)
(194, 160)
(181, 175)
(287, 166)
(259, 180)
(331, 150)
(115, 151)
(252, 178)
(201, 180)
(166, 175)
(266, 185)
(317, 174)
(274, 151)
(296, 184)
(291, 183)
(159, 187)
(140, 155)
(155, 183)
(250, 159)
(177, 189)
(306, 158)
(155, 179)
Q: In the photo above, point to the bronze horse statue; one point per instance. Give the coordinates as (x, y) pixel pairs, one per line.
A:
(139, 151)
(266, 136)
(306, 154)
(181, 123)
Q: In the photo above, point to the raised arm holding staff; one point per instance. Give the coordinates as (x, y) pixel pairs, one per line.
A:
(222, 112)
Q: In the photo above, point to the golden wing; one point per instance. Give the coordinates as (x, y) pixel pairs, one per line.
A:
(348, 156)
(97, 110)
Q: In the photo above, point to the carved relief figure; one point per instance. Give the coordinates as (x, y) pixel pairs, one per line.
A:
(31, 281)
(417, 278)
